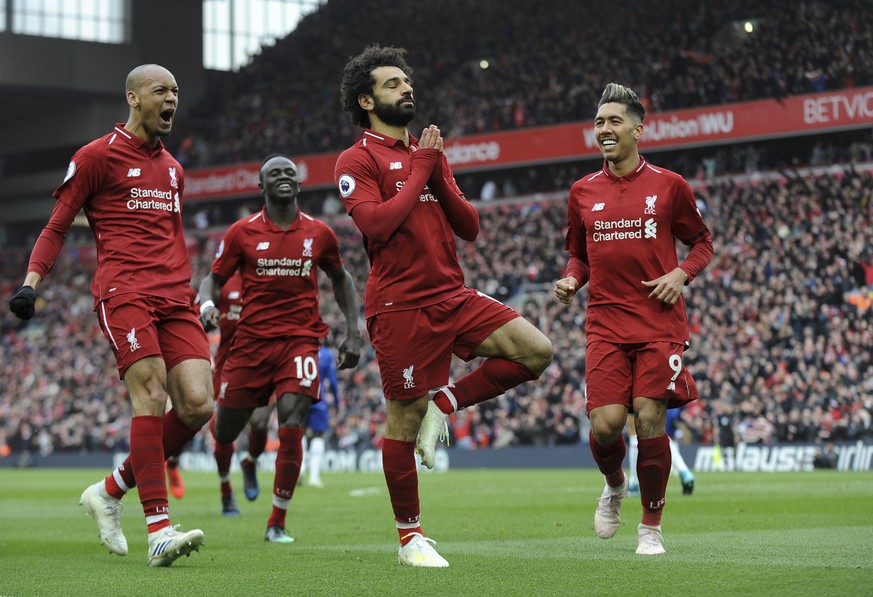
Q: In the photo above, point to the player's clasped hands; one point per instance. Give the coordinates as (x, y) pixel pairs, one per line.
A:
(431, 138)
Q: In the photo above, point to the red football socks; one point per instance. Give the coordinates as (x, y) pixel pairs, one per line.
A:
(257, 444)
(289, 459)
(653, 472)
(147, 460)
(176, 436)
(609, 459)
(490, 379)
(401, 476)
(223, 455)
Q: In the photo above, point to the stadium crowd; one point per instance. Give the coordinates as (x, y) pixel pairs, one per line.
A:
(782, 319)
(545, 66)
(782, 326)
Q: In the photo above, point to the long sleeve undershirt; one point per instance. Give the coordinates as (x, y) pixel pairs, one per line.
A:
(51, 240)
(378, 221)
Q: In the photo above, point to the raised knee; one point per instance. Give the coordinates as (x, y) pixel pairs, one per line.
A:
(541, 355)
(196, 411)
(204, 412)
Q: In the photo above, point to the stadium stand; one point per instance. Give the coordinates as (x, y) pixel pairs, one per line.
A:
(546, 66)
(782, 319)
(781, 327)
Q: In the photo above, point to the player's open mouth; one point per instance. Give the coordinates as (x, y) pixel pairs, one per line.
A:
(167, 116)
(284, 186)
(609, 143)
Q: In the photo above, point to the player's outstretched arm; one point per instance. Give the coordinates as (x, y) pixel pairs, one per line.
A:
(42, 258)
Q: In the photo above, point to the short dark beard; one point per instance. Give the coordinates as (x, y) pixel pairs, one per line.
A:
(393, 114)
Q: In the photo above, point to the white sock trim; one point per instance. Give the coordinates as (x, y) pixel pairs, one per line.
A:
(156, 518)
(451, 398)
(119, 481)
(280, 503)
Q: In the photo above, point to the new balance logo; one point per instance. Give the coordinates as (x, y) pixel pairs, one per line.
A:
(263, 246)
(395, 165)
(134, 172)
(598, 207)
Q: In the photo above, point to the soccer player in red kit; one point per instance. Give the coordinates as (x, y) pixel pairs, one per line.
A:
(623, 224)
(275, 348)
(130, 187)
(229, 309)
(402, 195)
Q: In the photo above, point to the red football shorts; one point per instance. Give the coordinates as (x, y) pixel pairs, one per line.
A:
(139, 326)
(617, 373)
(217, 368)
(414, 347)
(257, 367)
(218, 362)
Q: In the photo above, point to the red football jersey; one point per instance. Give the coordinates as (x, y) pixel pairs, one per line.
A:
(418, 266)
(130, 193)
(229, 310)
(625, 229)
(279, 275)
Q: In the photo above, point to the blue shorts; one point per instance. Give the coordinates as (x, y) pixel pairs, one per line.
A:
(318, 417)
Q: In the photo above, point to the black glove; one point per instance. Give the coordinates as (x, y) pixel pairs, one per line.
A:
(23, 302)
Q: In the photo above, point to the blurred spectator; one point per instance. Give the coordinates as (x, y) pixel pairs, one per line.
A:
(825, 456)
(544, 66)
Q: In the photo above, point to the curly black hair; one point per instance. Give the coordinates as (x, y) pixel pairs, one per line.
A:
(358, 78)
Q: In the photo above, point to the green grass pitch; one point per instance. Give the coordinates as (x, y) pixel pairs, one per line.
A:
(504, 532)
